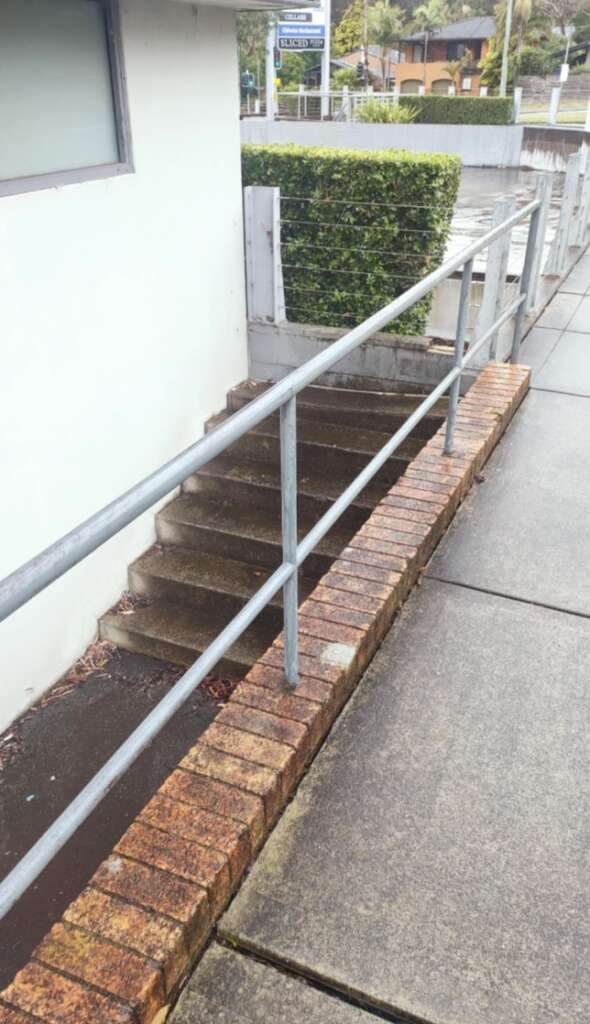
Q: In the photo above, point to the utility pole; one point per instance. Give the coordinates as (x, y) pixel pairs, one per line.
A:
(366, 39)
(270, 72)
(506, 48)
(327, 8)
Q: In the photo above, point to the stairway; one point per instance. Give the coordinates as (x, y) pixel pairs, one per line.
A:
(220, 539)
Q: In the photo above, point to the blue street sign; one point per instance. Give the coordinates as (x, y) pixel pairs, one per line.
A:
(302, 31)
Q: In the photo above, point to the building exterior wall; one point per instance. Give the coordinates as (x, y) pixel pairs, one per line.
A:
(435, 72)
(413, 70)
(123, 325)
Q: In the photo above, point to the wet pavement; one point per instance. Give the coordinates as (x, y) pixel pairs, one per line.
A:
(433, 865)
(49, 754)
(479, 189)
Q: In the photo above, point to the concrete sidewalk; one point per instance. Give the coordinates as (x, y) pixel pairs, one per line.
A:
(434, 863)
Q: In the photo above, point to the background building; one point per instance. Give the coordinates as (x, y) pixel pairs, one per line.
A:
(444, 45)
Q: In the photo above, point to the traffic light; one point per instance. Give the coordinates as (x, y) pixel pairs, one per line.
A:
(360, 71)
(248, 83)
(278, 58)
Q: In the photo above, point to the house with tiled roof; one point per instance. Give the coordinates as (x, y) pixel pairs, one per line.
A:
(451, 43)
(407, 68)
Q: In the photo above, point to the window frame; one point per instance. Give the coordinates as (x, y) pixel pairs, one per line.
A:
(125, 165)
(456, 49)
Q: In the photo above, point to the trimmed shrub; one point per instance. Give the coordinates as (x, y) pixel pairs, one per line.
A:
(358, 228)
(460, 109)
(534, 60)
(376, 111)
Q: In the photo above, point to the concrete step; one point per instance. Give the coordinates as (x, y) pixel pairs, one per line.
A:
(244, 480)
(372, 410)
(221, 528)
(180, 633)
(221, 537)
(329, 447)
(187, 576)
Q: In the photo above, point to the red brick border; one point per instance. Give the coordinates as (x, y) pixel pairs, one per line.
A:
(124, 945)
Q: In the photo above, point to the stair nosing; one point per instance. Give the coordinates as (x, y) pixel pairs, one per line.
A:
(234, 531)
(118, 621)
(275, 487)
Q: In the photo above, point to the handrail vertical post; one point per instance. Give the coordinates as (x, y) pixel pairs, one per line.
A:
(543, 193)
(495, 275)
(289, 526)
(526, 281)
(455, 390)
(498, 257)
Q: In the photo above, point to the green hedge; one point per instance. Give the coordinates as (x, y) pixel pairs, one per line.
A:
(358, 228)
(460, 109)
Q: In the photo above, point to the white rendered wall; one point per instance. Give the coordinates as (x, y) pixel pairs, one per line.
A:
(122, 325)
(476, 145)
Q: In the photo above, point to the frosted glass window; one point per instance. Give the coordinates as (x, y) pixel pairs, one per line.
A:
(57, 105)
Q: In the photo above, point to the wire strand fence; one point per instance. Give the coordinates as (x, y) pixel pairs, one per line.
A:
(342, 259)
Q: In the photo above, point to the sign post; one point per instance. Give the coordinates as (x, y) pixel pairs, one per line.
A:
(326, 60)
(270, 74)
(303, 30)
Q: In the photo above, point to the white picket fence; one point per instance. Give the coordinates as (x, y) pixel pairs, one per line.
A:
(556, 107)
(335, 105)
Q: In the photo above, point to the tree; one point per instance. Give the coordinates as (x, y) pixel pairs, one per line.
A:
(386, 24)
(293, 69)
(457, 68)
(344, 76)
(427, 18)
(252, 28)
(563, 12)
(491, 65)
(530, 26)
(348, 34)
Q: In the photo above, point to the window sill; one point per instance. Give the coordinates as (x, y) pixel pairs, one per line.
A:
(38, 182)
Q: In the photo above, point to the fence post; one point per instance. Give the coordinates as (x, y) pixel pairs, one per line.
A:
(345, 104)
(288, 421)
(581, 221)
(264, 275)
(554, 103)
(534, 240)
(497, 265)
(301, 90)
(483, 90)
(543, 192)
(587, 123)
(558, 254)
(455, 391)
(517, 103)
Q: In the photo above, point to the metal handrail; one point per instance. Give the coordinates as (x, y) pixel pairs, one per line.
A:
(49, 565)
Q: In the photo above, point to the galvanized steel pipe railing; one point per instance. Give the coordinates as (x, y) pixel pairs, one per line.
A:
(49, 565)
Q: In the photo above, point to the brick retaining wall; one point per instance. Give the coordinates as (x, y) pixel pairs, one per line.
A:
(124, 946)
